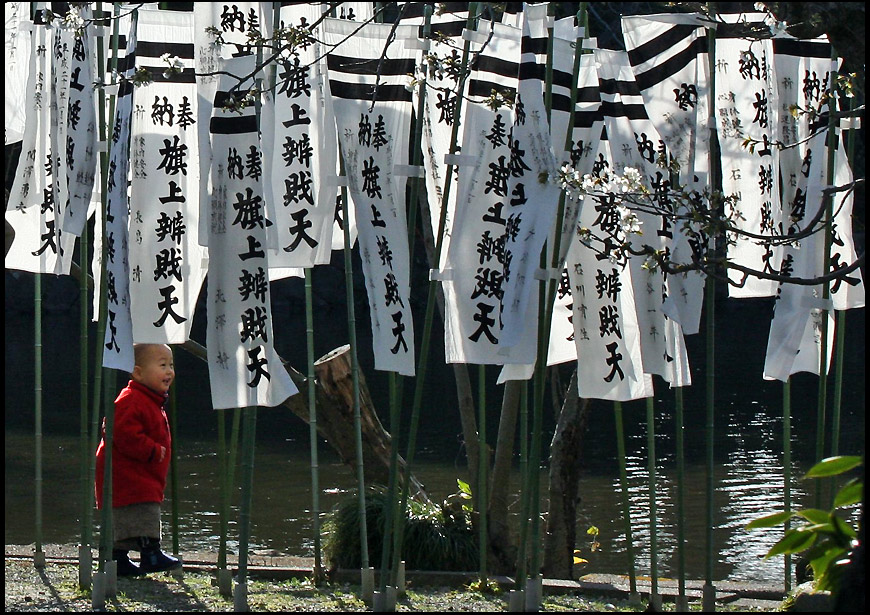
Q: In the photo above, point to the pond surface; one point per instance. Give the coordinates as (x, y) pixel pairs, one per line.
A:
(748, 469)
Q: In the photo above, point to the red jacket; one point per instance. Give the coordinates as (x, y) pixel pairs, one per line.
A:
(141, 428)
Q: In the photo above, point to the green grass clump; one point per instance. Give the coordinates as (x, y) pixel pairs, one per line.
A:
(434, 537)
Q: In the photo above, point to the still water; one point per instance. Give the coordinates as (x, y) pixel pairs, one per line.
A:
(748, 469)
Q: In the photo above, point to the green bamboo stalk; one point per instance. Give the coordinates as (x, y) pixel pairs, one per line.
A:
(248, 445)
(107, 535)
(173, 464)
(841, 336)
(85, 453)
(626, 505)
(312, 428)
(351, 327)
(786, 464)
(651, 465)
(546, 295)
(222, 472)
(391, 511)
(682, 600)
(481, 497)
(423, 361)
(39, 555)
(709, 590)
(524, 487)
(103, 375)
(826, 287)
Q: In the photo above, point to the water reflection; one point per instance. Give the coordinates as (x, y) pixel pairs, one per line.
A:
(748, 485)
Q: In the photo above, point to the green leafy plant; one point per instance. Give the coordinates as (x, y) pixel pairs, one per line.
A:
(824, 535)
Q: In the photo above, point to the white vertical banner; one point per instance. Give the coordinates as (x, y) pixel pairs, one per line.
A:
(220, 32)
(300, 151)
(479, 260)
(166, 258)
(803, 71)
(746, 105)
(605, 321)
(16, 53)
(373, 115)
(80, 131)
(635, 144)
(668, 55)
(244, 369)
(118, 342)
(39, 245)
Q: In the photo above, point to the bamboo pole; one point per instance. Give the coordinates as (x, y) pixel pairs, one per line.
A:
(786, 464)
(682, 602)
(709, 590)
(423, 361)
(173, 463)
(481, 497)
(240, 596)
(351, 327)
(312, 429)
(626, 504)
(38, 555)
(546, 293)
(826, 286)
(654, 598)
(87, 486)
(222, 571)
(525, 478)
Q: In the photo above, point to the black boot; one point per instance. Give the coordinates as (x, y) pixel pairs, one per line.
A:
(153, 559)
(126, 568)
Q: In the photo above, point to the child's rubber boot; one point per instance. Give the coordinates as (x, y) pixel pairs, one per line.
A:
(153, 559)
(126, 568)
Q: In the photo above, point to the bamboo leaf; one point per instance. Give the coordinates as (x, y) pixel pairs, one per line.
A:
(770, 520)
(833, 466)
(851, 493)
(794, 541)
(814, 515)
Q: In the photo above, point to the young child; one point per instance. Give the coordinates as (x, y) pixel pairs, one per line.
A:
(140, 462)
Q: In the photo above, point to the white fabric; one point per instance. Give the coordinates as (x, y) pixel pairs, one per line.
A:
(166, 258)
(373, 138)
(244, 369)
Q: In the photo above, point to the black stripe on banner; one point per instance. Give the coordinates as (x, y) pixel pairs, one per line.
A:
(221, 98)
(497, 66)
(362, 66)
(484, 89)
(125, 63)
(187, 75)
(233, 125)
(538, 46)
(672, 66)
(588, 94)
(560, 102)
(155, 49)
(802, 49)
(585, 119)
(660, 44)
(365, 91)
(618, 109)
(447, 28)
(623, 88)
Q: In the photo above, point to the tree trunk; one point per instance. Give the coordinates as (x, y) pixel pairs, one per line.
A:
(502, 549)
(566, 450)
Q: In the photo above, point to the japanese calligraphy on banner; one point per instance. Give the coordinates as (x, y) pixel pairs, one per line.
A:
(166, 260)
(440, 81)
(17, 29)
(373, 130)
(668, 55)
(32, 209)
(244, 369)
(634, 143)
(746, 104)
(220, 31)
(606, 330)
(300, 151)
(75, 136)
(479, 269)
(118, 342)
(803, 70)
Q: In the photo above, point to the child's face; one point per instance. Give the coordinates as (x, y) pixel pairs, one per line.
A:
(157, 371)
